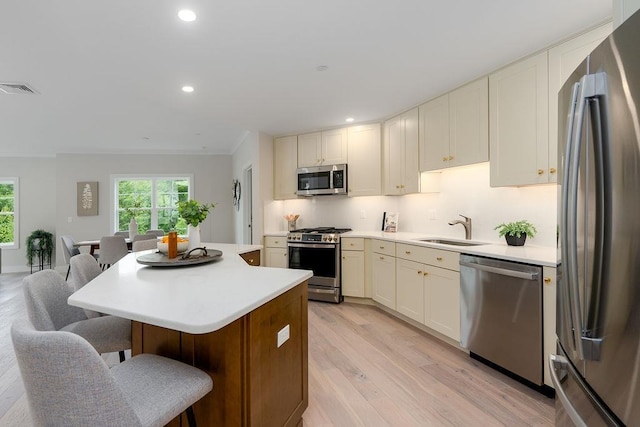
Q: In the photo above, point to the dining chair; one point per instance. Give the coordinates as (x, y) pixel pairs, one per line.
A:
(124, 234)
(67, 383)
(46, 294)
(112, 248)
(69, 251)
(156, 232)
(144, 245)
(84, 268)
(145, 236)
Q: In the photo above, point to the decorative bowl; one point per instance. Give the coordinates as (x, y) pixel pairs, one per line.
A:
(182, 246)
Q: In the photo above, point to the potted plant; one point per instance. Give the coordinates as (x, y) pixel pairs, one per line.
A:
(40, 245)
(194, 213)
(516, 233)
(132, 211)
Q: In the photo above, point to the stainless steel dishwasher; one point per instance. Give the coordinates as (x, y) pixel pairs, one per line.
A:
(501, 314)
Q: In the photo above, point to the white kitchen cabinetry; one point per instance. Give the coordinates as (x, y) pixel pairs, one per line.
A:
(563, 60)
(549, 318)
(383, 266)
(285, 163)
(353, 267)
(322, 148)
(428, 287)
(454, 128)
(275, 252)
(518, 123)
(623, 9)
(364, 153)
(400, 154)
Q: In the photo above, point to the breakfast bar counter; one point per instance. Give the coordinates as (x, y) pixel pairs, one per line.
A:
(245, 326)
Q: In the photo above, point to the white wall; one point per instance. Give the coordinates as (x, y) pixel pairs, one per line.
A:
(212, 183)
(37, 203)
(463, 190)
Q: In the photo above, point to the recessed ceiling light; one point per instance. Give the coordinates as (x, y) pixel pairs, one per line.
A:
(349, 119)
(187, 89)
(322, 68)
(187, 15)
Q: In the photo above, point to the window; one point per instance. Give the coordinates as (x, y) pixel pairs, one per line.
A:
(152, 201)
(9, 212)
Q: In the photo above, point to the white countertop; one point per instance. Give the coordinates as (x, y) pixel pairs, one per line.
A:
(193, 299)
(531, 254)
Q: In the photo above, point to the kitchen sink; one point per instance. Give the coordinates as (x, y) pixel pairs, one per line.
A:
(452, 242)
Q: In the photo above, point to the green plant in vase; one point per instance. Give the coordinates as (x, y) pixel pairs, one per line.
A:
(194, 213)
(40, 244)
(515, 233)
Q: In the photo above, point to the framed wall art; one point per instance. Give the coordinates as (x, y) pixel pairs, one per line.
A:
(87, 198)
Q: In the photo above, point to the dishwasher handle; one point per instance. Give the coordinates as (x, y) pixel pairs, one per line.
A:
(501, 271)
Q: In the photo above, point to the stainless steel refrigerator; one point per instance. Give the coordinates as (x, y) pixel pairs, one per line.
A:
(596, 370)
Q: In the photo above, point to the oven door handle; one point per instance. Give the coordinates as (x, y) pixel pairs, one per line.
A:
(321, 291)
(313, 245)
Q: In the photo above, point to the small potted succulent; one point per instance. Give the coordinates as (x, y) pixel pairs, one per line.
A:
(516, 233)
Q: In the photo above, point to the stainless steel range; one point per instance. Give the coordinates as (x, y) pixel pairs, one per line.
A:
(318, 249)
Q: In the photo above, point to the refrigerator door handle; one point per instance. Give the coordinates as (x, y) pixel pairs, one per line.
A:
(557, 363)
(571, 250)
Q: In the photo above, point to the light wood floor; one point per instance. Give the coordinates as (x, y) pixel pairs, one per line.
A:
(366, 368)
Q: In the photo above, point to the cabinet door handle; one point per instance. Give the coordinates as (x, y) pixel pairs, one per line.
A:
(407, 252)
(425, 273)
(381, 247)
(552, 170)
(444, 159)
(351, 244)
(381, 257)
(439, 258)
(540, 171)
(397, 186)
(419, 272)
(450, 157)
(547, 280)
(344, 258)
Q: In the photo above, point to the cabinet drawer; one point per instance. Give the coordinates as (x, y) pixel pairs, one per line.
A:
(383, 247)
(352, 244)
(412, 252)
(275, 242)
(444, 259)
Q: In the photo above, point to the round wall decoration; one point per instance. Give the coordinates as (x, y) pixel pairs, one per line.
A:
(236, 194)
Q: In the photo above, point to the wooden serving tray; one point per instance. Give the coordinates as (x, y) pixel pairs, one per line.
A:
(158, 259)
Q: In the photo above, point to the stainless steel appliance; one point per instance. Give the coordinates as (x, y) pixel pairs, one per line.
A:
(318, 249)
(322, 180)
(501, 315)
(596, 372)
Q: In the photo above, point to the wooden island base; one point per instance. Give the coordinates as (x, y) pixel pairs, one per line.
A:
(255, 382)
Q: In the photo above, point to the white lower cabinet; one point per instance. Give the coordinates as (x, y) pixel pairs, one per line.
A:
(275, 252)
(442, 301)
(383, 265)
(549, 319)
(410, 289)
(353, 267)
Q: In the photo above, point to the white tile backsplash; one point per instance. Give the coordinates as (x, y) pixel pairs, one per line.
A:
(463, 190)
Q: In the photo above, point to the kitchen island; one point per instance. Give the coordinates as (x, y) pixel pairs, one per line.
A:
(245, 326)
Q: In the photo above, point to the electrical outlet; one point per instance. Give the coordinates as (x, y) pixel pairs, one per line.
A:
(69, 219)
(283, 335)
(363, 215)
(432, 214)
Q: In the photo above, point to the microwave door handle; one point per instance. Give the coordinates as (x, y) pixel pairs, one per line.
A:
(566, 200)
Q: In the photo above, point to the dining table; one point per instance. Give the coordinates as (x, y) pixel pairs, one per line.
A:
(95, 244)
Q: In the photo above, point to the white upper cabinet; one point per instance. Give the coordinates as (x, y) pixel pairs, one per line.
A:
(518, 123)
(400, 152)
(454, 128)
(365, 164)
(434, 134)
(285, 163)
(322, 148)
(563, 60)
(469, 123)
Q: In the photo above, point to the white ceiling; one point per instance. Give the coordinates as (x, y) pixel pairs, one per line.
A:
(109, 73)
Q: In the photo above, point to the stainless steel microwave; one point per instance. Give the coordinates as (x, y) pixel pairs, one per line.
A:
(322, 180)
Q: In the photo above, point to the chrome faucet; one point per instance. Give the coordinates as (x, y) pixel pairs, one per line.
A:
(467, 226)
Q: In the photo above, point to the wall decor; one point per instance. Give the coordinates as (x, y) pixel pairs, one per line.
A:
(236, 194)
(87, 198)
